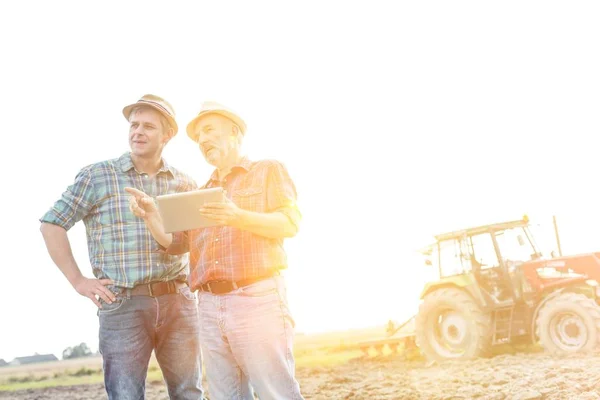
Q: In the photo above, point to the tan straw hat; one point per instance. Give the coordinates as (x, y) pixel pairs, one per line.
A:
(159, 104)
(212, 107)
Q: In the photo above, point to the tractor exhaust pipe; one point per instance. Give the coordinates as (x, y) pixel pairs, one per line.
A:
(556, 234)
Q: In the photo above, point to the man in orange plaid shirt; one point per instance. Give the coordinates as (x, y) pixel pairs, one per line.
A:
(246, 329)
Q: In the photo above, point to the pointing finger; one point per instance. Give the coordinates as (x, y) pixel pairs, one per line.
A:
(135, 192)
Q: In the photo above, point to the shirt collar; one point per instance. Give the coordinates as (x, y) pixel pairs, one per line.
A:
(244, 164)
(127, 164)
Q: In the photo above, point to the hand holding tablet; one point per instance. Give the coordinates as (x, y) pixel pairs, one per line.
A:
(180, 211)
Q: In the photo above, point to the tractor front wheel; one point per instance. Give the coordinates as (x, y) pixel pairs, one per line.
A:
(450, 325)
(569, 323)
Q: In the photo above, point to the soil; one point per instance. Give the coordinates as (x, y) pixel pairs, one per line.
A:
(513, 376)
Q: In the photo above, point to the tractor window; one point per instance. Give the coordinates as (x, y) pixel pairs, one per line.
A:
(452, 257)
(483, 251)
(515, 246)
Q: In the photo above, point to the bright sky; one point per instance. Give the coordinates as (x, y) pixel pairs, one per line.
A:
(395, 123)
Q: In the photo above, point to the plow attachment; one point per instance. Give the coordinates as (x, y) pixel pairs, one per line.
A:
(399, 339)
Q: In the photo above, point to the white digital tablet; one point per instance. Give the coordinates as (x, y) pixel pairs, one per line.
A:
(179, 211)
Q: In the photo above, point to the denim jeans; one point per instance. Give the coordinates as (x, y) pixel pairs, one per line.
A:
(246, 338)
(133, 326)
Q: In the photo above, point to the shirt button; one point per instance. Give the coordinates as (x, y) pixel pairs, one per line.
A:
(217, 239)
(216, 262)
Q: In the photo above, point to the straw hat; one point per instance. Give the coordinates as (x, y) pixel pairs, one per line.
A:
(212, 107)
(159, 104)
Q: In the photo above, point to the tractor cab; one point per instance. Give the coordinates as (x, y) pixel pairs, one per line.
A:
(504, 260)
(490, 254)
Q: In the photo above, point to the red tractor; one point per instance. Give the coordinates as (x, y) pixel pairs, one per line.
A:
(495, 287)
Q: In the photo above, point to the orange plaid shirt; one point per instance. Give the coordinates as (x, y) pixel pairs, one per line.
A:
(230, 254)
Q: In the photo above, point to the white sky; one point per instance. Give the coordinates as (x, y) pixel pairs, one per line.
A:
(396, 123)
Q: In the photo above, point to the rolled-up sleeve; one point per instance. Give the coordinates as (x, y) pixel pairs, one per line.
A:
(281, 193)
(74, 204)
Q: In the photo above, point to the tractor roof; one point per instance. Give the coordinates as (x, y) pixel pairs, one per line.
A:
(483, 229)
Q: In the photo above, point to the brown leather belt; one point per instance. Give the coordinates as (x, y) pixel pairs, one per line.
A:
(223, 287)
(155, 289)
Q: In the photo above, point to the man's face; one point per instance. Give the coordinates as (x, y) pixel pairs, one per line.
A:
(217, 139)
(146, 133)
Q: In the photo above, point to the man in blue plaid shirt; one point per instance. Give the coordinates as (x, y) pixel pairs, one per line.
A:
(144, 302)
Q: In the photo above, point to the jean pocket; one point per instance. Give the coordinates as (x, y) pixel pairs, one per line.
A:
(188, 294)
(111, 308)
(259, 289)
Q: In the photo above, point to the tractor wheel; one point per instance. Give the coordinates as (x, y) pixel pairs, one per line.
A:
(450, 325)
(569, 323)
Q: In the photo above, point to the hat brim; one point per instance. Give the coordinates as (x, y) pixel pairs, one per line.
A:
(127, 112)
(235, 118)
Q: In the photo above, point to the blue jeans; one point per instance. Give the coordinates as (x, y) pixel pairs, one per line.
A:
(133, 326)
(246, 338)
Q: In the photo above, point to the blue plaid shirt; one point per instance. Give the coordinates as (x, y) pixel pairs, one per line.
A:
(119, 245)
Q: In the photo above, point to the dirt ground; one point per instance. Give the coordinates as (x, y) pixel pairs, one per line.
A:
(519, 376)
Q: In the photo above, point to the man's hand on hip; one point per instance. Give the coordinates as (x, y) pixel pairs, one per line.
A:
(91, 288)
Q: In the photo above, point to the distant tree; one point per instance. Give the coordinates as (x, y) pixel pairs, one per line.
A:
(81, 350)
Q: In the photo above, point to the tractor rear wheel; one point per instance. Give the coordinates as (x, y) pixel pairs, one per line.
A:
(569, 323)
(450, 325)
